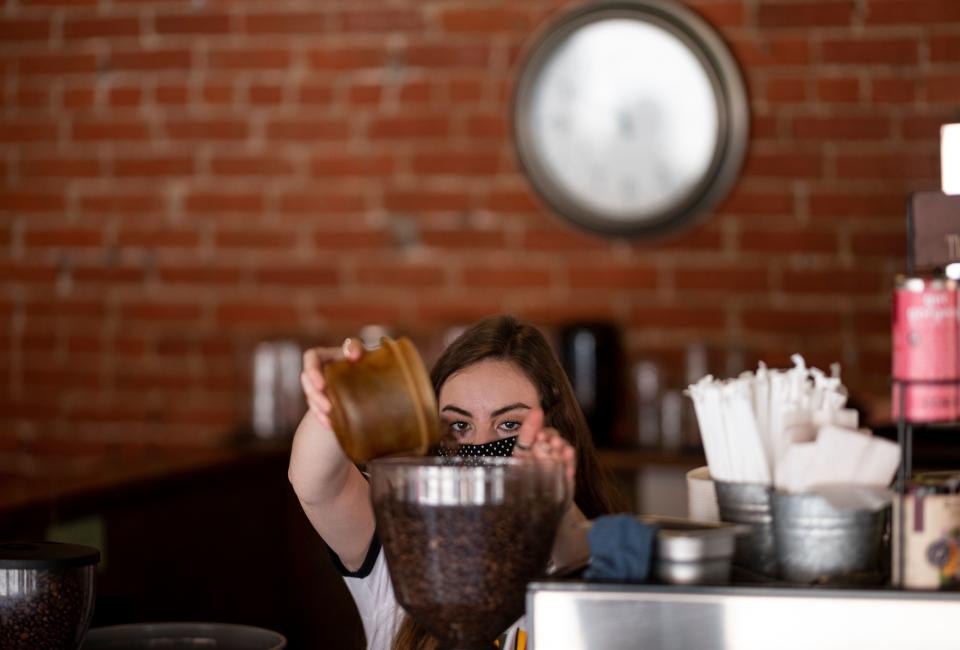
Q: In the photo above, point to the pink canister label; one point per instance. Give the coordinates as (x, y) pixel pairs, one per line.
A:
(925, 331)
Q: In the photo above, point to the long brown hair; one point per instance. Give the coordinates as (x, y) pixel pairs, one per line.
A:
(507, 339)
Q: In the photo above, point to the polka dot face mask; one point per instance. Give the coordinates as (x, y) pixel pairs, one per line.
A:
(502, 447)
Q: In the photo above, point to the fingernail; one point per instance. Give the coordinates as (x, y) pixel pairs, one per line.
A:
(345, 348)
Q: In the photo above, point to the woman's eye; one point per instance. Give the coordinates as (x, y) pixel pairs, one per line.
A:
(459, 427)
(510, 425)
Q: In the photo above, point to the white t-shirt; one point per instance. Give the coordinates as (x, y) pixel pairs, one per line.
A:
(381, 615)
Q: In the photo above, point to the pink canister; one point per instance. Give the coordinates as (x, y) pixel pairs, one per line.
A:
(925, 331)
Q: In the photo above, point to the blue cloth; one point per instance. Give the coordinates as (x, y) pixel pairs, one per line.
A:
(621, 547)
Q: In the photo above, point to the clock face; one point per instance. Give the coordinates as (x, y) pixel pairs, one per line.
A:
(625, 124)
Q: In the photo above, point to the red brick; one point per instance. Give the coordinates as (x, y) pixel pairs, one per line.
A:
(28, 272)
(426, 201)
(943, 88)
(721, 14)
(161, 311)
(305, 130)
(158, 238)
(788, 241)
(258, 313)
(888, 165)
(196, 23)
(448, 56)
(872, 322)
(202, 275)
(487, 126)
(24, 29)
(31, 97)
(697, 239)
(764, 127)
(467, 91)
(171, 95)
(255, 239)
(109, 275)
(57, 64)
(472, 163)
(797, 15)
(60, 167)
(142, 60)
(78, 98)
(399, 275)
(57, 309)
(360, 313)
(249, 59)
(416, 92)
(835, 282)
(218, 94)
(334, 240)
(485, 21)
(110, 130)
(926, 127)
(409, 127)
(352, 165)
(898, 51)
(611, 276)
(771, 51)
(253, 165)
(24, 201)
(757, 203)
(787, 89)
(677, 318)
(446, 240)
(322, 203)
(562, 239)
(298, 276)
(364, 94)
(205, 130)
(894, 90)
(511, 201)
(100, 27)
(124, 96)
(266, 94)
(723, 279)
(162, 166)
(783, 165)
(383, 20)
(847, 203)
(838, 90)
(850, 128)
(346, 58)
(793, 321)
(945, 49)
(222, 202)
(879, 244)
(315, 93)
(506, 278)
(112, 202)
(889, 12)
(292, 22)
(12, 131)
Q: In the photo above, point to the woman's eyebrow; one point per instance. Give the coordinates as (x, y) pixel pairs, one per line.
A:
(457, 409)
(508, 408)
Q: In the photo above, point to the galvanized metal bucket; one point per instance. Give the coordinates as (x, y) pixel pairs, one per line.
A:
(815, 542)
(750, 504)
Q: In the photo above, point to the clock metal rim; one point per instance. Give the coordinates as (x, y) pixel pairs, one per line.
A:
(732, 106)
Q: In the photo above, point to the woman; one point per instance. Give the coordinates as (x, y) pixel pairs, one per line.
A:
(497, 387)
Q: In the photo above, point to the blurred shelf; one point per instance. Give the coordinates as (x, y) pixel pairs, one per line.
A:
(633, 459)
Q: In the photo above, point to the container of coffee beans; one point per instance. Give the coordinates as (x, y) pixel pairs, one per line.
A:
(383, 403)
(46, 594)
(463, 536)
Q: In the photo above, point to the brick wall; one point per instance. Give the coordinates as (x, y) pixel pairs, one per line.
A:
(180, 179)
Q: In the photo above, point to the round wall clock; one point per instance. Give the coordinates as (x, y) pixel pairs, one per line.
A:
(631, 117)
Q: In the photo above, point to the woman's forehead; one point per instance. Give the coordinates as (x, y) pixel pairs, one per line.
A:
(488, 385)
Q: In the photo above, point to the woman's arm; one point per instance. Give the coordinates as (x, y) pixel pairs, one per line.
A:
(333, 493)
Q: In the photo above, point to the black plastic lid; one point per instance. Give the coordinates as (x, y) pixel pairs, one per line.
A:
(46, 555)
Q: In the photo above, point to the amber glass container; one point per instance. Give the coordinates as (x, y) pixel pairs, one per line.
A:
(383, 404)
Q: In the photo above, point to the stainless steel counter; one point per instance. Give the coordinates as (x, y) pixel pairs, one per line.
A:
(579, 615)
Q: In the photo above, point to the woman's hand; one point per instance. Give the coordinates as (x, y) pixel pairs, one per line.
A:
(314, 385)
(539, 442)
